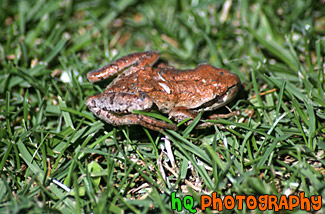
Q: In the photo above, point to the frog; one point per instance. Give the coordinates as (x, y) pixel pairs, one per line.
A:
(141, 83)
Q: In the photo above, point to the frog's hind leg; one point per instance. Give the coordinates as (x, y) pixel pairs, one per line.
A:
(134, 119)
(135, 59)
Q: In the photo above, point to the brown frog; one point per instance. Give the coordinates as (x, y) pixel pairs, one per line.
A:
(140, 86)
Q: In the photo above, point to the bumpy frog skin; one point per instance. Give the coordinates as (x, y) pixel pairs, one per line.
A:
(140, 85)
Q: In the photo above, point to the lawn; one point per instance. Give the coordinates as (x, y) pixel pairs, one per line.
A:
(57, 157)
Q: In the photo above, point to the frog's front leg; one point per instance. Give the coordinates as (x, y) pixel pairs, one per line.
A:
(153, 124)
(181, 113)
(139, 59)
(116, 108)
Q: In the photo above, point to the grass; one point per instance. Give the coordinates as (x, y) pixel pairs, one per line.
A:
(56, 157)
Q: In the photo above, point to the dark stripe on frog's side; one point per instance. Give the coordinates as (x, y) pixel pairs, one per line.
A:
(218, 99)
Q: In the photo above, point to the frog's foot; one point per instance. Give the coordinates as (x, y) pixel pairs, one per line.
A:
(233, 113)
(216, 116)
(132, 62)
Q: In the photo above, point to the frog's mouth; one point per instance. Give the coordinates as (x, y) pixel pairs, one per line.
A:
(222, 100)
(229, 95)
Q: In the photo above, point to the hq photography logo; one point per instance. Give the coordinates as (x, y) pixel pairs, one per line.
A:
(262, 202)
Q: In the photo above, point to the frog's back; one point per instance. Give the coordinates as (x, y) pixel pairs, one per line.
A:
(195, 87)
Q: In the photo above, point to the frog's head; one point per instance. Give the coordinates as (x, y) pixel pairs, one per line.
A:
(223, 85)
